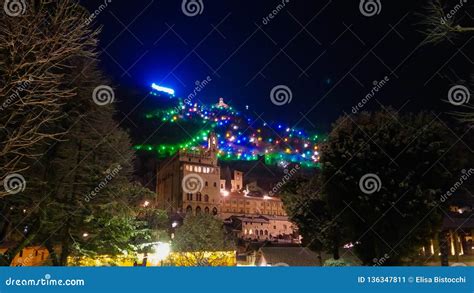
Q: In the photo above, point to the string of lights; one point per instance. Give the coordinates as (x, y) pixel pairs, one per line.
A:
(240, 137)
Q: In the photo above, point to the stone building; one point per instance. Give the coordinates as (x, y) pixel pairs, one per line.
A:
(189, 181)
(192, 182)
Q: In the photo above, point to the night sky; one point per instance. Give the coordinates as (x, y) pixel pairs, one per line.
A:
(326, 52)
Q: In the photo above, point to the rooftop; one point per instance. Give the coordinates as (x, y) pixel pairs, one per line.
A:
(291, 256)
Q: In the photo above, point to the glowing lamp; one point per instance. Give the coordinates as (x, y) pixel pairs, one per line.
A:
(162, 250)
(162, 89)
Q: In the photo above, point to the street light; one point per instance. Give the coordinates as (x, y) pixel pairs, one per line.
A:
(162, 251)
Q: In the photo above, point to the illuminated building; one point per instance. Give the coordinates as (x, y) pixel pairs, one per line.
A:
(224, 196)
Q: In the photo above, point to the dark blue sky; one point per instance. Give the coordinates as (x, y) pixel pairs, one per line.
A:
(326, 52)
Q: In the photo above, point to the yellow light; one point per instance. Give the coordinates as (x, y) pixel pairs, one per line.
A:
(162, 250)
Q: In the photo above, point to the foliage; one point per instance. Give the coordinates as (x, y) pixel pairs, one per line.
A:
(200, 234)
(336, 263)
(307, 208)
(409, 154)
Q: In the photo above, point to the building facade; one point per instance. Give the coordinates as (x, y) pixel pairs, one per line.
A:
(191, 182)
(200, 165)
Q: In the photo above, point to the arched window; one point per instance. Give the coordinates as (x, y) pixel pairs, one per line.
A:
(261, 232)
(256, 232)
(189, 196)
(206, 210)
(206, 198)
(266, 232)
(189, 210)
(198, 210)
(214, 211)
(198, 196)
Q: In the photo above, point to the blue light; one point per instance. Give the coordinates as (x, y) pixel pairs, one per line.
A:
(163, 89)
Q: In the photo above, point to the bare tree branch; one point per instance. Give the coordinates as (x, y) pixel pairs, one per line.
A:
(37, 51)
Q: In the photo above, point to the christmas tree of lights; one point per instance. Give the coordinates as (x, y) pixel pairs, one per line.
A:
(240, 136)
